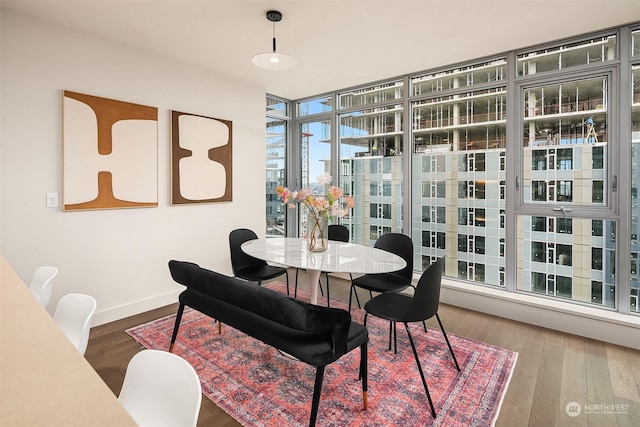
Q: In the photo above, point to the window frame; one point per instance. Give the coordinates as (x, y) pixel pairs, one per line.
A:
(618, 209)
(610, 209)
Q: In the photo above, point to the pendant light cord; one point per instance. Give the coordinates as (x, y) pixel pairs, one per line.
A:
(274, 36)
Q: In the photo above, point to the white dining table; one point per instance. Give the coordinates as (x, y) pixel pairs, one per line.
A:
(340, 257)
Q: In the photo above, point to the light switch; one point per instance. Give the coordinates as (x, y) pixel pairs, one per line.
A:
(52, 200)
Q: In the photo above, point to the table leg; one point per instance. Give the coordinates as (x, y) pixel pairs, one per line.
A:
(314, 281)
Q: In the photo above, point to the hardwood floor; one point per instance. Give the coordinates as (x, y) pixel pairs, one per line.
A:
(553, 368)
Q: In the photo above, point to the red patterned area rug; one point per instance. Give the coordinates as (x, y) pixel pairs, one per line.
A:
(258, 386)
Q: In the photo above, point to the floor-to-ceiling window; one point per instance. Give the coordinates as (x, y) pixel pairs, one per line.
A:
(370, 146)
(565, 181)
(458, 121)
(277, 125)
(314, 137)
(522, 169)
(634, 156)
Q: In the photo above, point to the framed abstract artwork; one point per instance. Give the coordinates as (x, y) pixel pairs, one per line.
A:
(200, 159)
(110, 153)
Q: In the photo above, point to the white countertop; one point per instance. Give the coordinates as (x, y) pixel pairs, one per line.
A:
(45, 380)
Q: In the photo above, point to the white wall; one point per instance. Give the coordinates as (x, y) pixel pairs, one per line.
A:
(119, 256)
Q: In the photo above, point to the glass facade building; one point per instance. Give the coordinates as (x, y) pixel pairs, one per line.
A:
(522, 169)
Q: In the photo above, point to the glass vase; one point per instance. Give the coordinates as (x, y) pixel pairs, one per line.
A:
(317, 233)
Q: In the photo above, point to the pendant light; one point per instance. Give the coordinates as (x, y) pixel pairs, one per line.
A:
(274, 60)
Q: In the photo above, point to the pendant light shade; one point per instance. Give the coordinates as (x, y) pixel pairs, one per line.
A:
(274, 60)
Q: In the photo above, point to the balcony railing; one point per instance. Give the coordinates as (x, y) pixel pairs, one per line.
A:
(567, 107)
(467, 119)
(565, 139)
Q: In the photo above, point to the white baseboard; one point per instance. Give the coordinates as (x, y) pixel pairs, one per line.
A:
(116, 313)
(595, 323)
(590, 322)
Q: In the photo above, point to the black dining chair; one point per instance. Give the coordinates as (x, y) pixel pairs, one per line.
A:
(247, 267)
(420, 307)
(395, 281)
(337, 233)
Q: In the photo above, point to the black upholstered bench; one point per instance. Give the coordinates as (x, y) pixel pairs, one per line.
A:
(313, 334)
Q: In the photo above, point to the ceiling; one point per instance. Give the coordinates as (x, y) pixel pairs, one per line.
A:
(338, 43)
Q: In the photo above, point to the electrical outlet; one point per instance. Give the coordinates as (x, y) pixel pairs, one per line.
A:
(52, 200)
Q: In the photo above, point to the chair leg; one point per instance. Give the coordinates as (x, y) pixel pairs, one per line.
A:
(393, 333)
(424, 381)
(317, 388)
(448, 344)
(176, 326)
(328, 295)
(364, 373)
(395, 338)
(350, 297)
(286, 273)
(353, 291)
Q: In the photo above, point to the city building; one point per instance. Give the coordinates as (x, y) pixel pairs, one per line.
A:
(445, 138)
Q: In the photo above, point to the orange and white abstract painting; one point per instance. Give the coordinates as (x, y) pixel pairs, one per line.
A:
(110, 153)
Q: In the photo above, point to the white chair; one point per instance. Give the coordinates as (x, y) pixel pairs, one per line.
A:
(42, 284)
(161, 389)
(73, 315)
